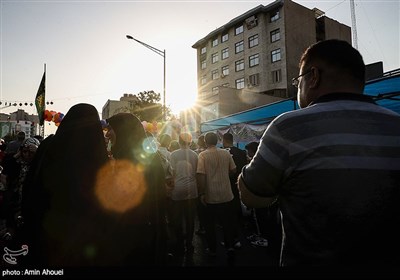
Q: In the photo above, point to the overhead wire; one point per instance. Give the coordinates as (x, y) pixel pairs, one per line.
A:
(373, 32)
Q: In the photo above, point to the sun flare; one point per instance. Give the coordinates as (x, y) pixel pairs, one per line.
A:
(181, 102)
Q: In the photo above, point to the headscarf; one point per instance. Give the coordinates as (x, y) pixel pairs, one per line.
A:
(130, 136)
(30, 141)
(77, 152)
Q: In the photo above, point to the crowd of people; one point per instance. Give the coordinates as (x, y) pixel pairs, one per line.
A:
(325, 178)
(78, 203)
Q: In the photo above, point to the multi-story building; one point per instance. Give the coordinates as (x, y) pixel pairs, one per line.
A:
(251, 60)
(11, 124)
(124, 104)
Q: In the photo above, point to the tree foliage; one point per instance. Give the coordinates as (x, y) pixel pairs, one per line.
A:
(147, 106)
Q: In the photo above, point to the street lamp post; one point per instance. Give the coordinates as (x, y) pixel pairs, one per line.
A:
(161, 53)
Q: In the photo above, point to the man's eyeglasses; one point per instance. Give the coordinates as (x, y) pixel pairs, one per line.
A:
(295, 81)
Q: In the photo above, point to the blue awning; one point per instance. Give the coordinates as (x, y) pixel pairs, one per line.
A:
(386, 93)
(259, 115)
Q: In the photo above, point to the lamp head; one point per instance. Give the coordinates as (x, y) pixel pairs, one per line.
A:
(129, 37)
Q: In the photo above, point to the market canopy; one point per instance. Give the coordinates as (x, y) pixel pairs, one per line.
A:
(385, 91)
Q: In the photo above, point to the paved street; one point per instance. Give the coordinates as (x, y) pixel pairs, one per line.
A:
(248, 259)
(247, 256)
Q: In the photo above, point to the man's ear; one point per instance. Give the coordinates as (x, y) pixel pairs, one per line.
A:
(315, 77)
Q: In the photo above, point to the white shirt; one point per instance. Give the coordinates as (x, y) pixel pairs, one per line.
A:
(184, 165)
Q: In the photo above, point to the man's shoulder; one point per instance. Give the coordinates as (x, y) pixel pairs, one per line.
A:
(164, 153)
(183, 152)
(224, 152)
(193, 153)
(214, 151)
(174, 154)
(235, 150)
(296, 116)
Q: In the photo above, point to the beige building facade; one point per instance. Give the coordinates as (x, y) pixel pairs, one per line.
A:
(251, 60)
(11, 124)
(124, 105)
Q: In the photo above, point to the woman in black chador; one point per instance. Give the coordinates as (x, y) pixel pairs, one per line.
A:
(83, 209)
(138, 169)
(59, 205)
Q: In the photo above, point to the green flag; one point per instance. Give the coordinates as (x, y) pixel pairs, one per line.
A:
(40, 99)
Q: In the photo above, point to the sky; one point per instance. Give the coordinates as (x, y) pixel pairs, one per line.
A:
(89, 59)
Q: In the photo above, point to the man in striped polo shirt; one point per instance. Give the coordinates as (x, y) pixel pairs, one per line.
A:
(213, 170)
(334, 166)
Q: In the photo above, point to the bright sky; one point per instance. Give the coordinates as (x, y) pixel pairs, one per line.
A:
(89, 59)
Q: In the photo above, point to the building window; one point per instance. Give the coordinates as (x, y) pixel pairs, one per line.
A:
(253, 41)
(225, 53)
(240, 83)
(254, 80)
(203, 64)
(224, 37)
(225, 71)
(275, 35)
(214, 74)
(214, 42)
(274, 16)
(214, 57)
(239, 65)
(239, 30)
(276, 76)
(239, 47)
(276, 55)
(203, 80)
(251, 22)
(215, 90)
(203, 50)
(254, 60)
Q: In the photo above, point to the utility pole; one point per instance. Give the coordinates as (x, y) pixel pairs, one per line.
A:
(164, 55)
(353, 24)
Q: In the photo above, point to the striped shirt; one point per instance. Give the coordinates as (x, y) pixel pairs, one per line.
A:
(336, 168)
(216, 163)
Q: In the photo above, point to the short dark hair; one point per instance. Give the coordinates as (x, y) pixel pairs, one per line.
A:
(337, 53)
(211, 138)
(21, 135)
(252, 146)
(174, 145)
(165, 140)
(228, 137)
(200, 141)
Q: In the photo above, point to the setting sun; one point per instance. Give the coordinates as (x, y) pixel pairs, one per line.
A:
(180, 102)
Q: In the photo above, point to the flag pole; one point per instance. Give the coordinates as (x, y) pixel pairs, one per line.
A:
(43, 126)
(40, 102)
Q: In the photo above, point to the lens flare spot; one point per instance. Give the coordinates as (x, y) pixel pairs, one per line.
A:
(120, 185)
(150, 145)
